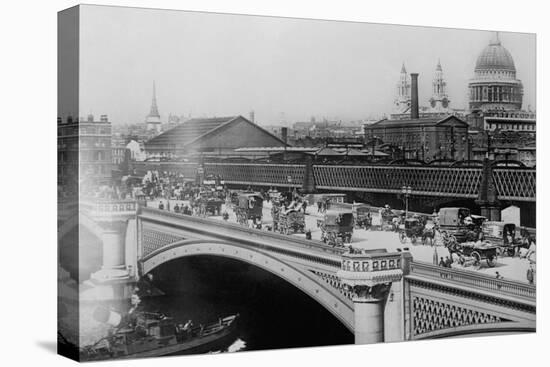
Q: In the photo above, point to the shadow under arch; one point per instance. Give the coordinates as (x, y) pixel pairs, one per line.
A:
(308, 283)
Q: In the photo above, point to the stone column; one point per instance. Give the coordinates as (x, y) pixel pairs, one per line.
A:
(114, 261)
(369, 313)
(487, 197)
(113, 281)
(369, 275)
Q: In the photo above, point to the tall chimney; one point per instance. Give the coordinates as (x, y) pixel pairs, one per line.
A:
(284, 136)
(414, 95)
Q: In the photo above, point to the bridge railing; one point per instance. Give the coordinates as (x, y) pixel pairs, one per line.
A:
(474, 280)
(97, 207)
(220, 226)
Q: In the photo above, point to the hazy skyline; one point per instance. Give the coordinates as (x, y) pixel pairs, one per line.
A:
(219, 64)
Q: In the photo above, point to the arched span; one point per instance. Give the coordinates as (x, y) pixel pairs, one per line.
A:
(476, 330)
(300, 278)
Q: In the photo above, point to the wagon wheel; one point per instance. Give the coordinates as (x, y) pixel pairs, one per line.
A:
(477, 258)
(491, 261)
(402, 237)
(413, 239)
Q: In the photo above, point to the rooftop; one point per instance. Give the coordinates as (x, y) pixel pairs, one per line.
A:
(190, 130)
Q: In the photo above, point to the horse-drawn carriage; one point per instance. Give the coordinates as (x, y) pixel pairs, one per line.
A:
(474, 252)
(411, 229)
(460, 223)
(506, 237)
(249, 207)
(209, 203)
(388, 219)
(291, 221)
(336, 227)
(362, 216)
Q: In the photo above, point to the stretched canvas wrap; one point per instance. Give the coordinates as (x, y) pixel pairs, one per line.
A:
(230, 183)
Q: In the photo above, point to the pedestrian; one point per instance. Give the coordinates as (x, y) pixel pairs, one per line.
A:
(442, 262)
(176, 208)
(531, 274)
(304, 206)
(498, 276)
(161, 205)
(319, 205)
(448, 262)
(308, 234)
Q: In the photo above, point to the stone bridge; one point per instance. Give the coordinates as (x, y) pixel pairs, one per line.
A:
(378, 295)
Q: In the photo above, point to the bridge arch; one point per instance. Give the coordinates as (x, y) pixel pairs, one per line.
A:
(302, 279)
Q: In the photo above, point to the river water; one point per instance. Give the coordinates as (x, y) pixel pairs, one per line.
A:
(273, 313)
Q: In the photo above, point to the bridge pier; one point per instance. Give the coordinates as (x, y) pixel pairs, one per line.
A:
(113, 281)
(369, 276)
(487, 198)
(369, 313)
(114, 267)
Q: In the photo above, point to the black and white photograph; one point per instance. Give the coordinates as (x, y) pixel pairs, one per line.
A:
(231, 183)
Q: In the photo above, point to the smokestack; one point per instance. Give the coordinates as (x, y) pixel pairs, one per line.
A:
(284, 136)
(414, 95)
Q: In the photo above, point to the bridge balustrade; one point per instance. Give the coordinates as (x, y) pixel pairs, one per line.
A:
(474, 280)
(226, 228)
(107, 207)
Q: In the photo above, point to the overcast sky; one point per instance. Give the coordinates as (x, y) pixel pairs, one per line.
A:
(219, 65)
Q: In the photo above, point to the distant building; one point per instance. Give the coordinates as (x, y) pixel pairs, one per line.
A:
(496, 98)
(494, 86)
(84, 150)
(439, 102)
(423, 138)
(137, 151)
(402, 102)
(218, 136)
(153, 118)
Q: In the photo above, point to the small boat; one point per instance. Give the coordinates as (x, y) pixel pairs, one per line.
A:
(154, 335)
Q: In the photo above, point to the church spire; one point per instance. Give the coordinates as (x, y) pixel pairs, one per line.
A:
(403, 70)
(154, 109)
(438, 67)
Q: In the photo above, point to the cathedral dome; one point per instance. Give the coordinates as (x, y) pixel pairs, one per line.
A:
(495, 57)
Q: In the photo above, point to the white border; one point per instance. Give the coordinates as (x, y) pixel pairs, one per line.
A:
(29, 174)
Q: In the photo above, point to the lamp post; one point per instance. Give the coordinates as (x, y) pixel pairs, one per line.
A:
(406, 191)
(289, 180)
(488, 155)
(468, 140)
